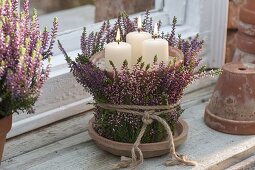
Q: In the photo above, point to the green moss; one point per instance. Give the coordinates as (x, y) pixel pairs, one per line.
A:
(126, 131)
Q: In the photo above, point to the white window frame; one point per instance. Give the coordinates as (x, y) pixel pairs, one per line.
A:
(63, 97)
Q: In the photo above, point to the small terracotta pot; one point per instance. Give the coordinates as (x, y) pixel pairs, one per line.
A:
(247, 12)
(232, 106)
(5, 127)
(149, 149)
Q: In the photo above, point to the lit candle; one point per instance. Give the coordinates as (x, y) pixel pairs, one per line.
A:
(117, 52)
(155, 47)
(136, 40)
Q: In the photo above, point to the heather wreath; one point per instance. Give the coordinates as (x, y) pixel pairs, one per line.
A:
(23, 49)
(158, 84)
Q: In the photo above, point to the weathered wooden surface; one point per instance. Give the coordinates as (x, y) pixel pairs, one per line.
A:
(66, 145)
(248, 164)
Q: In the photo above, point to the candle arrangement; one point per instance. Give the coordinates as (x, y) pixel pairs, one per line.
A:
(137, 93)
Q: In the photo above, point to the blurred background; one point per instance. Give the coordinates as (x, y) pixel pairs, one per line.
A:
(78, 13)
(48, 6)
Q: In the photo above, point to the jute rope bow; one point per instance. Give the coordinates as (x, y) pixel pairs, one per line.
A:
(148, 114)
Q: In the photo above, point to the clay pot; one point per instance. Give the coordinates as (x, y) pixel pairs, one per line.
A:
(5, 127)
(232, 106)
(247, 12)
(246, 33)
(149, 149)
(245, 43)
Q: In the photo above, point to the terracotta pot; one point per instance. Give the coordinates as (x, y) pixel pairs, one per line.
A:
(247, 12)
(232, 106)
(149, 149)
(5, 127)
(245, 43)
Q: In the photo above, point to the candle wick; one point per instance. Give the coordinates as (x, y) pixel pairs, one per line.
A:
(139, 29)
(118, 42)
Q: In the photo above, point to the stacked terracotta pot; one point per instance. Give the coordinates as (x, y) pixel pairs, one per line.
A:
(232, 106)
(246, 34)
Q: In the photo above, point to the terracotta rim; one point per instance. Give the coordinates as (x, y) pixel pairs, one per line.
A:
(228, 126)
(148, 149)
(239, 68)
(245, 43)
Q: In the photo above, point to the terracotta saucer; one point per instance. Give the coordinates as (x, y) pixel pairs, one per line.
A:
(149, 149)
(229, 126)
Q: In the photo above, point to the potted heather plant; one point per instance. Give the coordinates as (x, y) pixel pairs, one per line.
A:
(23, 48)
(137, 105)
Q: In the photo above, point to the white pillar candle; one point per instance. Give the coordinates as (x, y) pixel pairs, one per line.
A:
(155, 47)
(117, 52)
(135, 39)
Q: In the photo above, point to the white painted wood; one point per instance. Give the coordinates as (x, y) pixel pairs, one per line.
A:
(45, 118)
(45, 136)
(71, 18)
(214, 14)
(176, 8)
(209, 19)
(210, 148)
(159, 4)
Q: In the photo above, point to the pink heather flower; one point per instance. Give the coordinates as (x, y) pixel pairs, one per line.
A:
(22, 51)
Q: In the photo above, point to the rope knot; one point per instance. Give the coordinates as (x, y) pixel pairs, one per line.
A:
(147, 117)
(148, 114)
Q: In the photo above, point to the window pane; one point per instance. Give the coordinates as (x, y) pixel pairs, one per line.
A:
(79, 13)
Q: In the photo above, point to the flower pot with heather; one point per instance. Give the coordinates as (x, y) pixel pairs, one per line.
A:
(23, 50)
(137, 78)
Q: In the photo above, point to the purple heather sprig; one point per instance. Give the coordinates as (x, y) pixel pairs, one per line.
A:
(22, 51)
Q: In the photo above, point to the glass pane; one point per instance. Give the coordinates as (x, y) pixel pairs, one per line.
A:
(79, 13)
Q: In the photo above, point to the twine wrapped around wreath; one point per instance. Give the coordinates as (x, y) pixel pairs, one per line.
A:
(148, 114)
